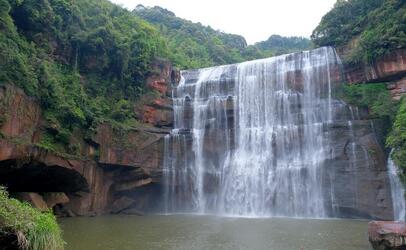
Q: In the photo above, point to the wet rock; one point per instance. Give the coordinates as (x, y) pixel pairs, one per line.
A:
(355, 180)
(387, 235)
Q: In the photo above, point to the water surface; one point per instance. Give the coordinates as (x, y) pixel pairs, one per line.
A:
(209, 232)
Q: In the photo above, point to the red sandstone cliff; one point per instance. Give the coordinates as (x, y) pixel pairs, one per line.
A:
(389, 68)
(112, 167)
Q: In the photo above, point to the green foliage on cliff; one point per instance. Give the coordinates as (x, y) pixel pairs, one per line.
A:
(373, 97)
(35, 230)
(397, 139)
(368, 28)
(77, 58)
(195, 46)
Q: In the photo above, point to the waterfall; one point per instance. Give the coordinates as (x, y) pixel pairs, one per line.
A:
(250, 139)
(397, 190)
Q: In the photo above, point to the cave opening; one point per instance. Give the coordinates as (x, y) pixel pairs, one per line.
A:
(44, 186)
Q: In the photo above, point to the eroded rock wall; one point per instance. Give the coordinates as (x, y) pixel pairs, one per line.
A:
(117, 170)
(390, 67)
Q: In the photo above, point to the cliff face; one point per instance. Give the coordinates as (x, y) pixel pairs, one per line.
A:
(118, 170)
(390, 68)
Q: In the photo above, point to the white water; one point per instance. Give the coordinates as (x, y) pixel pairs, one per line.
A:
(398, 192)
(254, 137)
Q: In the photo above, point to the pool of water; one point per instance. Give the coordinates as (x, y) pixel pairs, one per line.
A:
(190, 232)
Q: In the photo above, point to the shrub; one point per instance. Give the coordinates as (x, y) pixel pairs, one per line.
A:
(373, 96)
(35, 230)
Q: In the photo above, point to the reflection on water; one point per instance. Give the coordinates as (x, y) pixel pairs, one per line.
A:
(207, 232)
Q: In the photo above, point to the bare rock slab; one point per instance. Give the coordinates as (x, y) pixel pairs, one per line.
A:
(387, 235)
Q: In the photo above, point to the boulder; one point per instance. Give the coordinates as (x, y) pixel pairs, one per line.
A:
(387, 235)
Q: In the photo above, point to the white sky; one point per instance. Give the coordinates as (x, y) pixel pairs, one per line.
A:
(256, 20)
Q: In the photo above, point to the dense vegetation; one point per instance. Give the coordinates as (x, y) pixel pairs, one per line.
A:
(278, 45)
(193, 45)
(367, 28)
(35, 230)
(79, 57)
(397, 139)
(373, 97)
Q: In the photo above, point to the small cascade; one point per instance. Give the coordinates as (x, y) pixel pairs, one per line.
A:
(398, 192)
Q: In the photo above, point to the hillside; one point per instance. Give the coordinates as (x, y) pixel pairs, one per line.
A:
(79, 57)
(363, 29)
(278, 45)
(195, 46)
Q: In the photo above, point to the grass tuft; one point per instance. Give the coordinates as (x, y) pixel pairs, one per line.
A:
(34, 229)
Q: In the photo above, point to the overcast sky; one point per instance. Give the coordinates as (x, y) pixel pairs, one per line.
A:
(256, 20)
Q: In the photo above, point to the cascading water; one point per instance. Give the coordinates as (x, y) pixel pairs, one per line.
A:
(398, 192)
(251, 139)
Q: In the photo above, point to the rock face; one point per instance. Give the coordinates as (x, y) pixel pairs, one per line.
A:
(387, 68)
(116, 166)
(387, 235)
(19, 114)
(53, 199)
(356, 180)
(398, 88)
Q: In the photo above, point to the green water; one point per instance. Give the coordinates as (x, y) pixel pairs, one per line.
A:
(208, 232)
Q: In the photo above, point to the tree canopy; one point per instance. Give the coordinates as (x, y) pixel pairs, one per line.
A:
(193, 45)
(368, 28)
